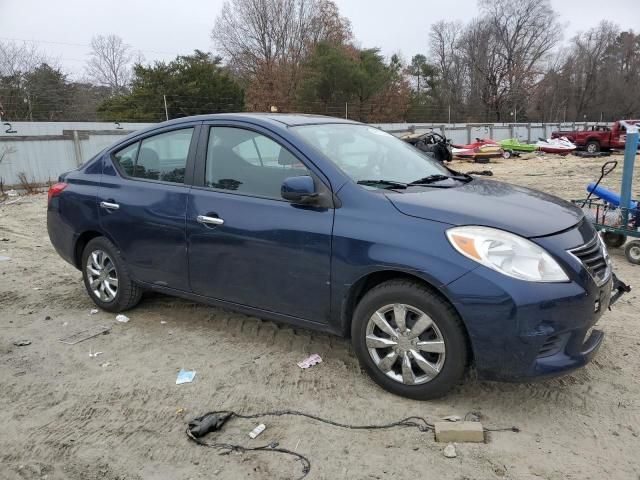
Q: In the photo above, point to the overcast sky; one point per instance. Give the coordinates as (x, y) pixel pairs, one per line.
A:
(163, 28)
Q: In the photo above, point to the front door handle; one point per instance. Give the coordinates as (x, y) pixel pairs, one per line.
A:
(109, 205)
(210, 220)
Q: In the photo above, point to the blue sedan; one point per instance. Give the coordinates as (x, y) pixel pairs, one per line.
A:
(337, 226)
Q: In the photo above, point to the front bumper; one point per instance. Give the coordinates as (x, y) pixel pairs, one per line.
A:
(521, 330)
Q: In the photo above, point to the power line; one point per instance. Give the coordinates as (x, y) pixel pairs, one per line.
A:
(52, 42)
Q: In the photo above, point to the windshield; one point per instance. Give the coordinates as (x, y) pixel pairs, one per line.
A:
(366, 153)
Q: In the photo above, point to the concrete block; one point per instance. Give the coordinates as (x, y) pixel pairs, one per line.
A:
(459, 432)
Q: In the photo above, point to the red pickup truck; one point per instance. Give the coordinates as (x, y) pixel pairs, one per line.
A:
(598, 137)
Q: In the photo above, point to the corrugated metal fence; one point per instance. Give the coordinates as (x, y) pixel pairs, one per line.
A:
(43, 150)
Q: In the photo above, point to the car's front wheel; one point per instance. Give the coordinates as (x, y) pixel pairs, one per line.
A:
(107, 278)
(409, 340)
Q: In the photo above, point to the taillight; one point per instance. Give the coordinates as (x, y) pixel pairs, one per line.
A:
(55, 190)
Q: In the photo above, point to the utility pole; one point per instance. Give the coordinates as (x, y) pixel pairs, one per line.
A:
(346, 110)
(449, 114)
(166, 111)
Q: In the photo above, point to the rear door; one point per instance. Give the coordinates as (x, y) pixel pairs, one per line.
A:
(143, 203)
(265, 252)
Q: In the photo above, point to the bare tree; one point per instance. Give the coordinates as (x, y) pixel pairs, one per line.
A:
(523, 33)
(445, 53)
(110, 62)
(590, 52)
(20, 58)
(266, 41)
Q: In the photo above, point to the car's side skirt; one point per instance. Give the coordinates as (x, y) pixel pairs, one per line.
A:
(244, 309)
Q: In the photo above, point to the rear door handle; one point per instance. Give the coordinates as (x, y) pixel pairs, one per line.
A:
(210, 220)
(109, 205)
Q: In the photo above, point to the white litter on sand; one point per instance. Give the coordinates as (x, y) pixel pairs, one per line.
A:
(257, 431)
(310, 361)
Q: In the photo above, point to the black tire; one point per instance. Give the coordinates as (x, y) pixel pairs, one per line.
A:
(443, 315)
(507, 154)
(613, 240)
(632, 252)
(592, 146)
(127, 294)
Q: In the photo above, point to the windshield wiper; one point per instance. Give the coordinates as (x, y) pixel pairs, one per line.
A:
(388, 184)
(439, 177)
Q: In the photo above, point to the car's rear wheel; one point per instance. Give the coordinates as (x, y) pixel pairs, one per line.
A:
(409, 340)
(107, 278)
(593, 146)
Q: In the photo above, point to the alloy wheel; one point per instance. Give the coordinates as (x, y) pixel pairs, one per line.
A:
(405, 344)
(102, 276)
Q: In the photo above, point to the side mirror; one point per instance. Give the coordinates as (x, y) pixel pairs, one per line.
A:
(299, 189)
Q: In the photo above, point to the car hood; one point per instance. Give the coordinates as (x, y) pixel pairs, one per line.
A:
(519, 210)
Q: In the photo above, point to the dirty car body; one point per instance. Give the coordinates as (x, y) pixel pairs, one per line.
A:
(269, 215)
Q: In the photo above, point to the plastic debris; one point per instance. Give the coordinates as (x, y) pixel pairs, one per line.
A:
(122, 318)
(473, 416)
(450, 451)
(257, 431)
(4, 259)
(93, 354)
(37, 288)
(12, 193)
(22, 343)
(93, 311)
(85, 334)
(310, 361)
(105, 364)
(452, 418)
(162, 322)
(185, 376)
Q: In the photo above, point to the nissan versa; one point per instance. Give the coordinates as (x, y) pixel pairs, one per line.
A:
(338, 226)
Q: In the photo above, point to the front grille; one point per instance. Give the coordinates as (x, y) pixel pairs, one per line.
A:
(593, 258)
(551, 346)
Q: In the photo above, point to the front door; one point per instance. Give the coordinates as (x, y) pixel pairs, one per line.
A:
(259, 250)
(143, 203)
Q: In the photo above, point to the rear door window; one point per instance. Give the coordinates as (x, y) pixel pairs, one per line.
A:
(161, 157)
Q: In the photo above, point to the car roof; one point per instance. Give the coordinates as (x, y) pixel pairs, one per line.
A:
(286, 119)
(273, 120)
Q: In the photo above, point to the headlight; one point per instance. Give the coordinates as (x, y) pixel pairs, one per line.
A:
(506, 253)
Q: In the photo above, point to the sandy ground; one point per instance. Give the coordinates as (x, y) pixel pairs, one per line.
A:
(121, 416)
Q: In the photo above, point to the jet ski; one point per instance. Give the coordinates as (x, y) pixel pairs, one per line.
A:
(513, 145)
(481, 149)
(561, 146)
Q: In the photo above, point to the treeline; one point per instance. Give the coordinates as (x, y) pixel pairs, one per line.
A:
(510, 64)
